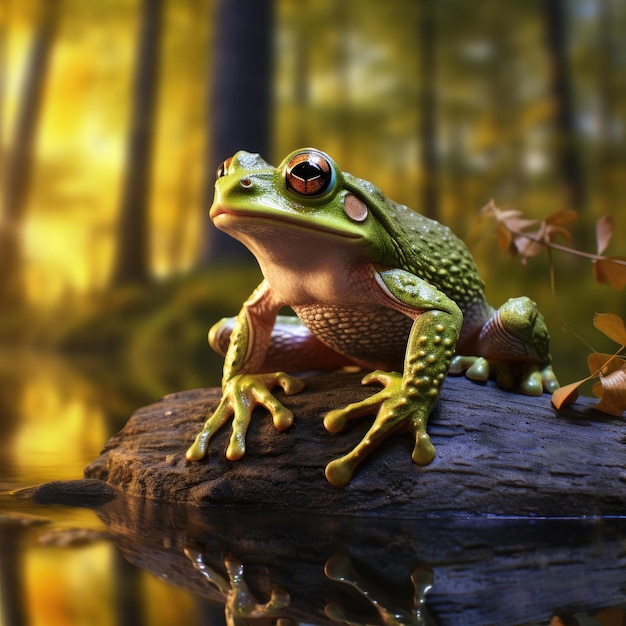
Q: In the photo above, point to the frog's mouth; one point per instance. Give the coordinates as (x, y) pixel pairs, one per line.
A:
(227, 219)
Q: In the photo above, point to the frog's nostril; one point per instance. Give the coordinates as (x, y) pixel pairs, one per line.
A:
(246, 182)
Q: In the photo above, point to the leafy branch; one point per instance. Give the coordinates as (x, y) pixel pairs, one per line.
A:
(609, 369)
(528, 238)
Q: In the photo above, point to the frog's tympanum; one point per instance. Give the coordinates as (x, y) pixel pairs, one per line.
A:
(373, 284)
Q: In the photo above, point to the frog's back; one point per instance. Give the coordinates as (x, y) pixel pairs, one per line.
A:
(433, 252)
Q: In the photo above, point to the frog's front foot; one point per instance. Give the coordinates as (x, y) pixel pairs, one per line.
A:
(530, 379)
(242, 393)
(397, 407)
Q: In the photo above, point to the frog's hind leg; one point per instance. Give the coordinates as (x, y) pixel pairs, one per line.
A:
(513, 347)
(293, 347)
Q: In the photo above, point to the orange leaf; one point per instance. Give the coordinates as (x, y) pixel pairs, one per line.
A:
(567, 394)
(604, 364)
(604, 231)
(562, 217)
(610, 272)
(552, 231)
(612, 326)
(597, 389)
(490, 207)
(504, 237)
(612, 390)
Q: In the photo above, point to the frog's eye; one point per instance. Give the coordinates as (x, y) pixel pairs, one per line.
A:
(309, 173)
(222, 170)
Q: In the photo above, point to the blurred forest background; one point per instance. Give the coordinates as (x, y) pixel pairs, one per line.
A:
(115, 114)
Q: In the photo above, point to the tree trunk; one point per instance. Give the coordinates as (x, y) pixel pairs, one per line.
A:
(302, 72)
(570, 165)
(132, 264)
(427, 33)
(3, 79)
(612, 151)
(240, 100)
(19, 162)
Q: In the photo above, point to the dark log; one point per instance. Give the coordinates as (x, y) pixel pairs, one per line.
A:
(498, 453)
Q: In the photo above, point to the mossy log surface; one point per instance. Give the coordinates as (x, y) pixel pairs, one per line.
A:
(498, 453)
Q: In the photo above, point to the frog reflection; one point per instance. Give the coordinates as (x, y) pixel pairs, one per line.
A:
(240, 605)
(341, 569)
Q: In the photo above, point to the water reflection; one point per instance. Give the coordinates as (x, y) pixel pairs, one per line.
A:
(262, 566)
(52, 417)
(340, 568)
(58, 565)
(240, 605)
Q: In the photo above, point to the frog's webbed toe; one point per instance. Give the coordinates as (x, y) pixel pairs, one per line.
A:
(549, 379)
(394, 412)
(536, 380)
(242, 394)
(476, 368)
(528, 378)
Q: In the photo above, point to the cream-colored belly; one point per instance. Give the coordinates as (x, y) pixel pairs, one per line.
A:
(345, 307)
(372, 335)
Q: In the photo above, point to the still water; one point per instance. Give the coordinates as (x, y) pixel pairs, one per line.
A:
(128, 561)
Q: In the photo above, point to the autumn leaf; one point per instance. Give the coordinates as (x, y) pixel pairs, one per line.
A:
(610, 368)
(518, 224)
(552, 231)
(612, 390)
(612, 326)
(526, 243)
(567, 394)
(504, 237)
(500, 215)
(527, 247)
(519, 236)
(604, 231)
(555, 225)
(603, 364)
(611, 271)
(562, 217)
(527, 238)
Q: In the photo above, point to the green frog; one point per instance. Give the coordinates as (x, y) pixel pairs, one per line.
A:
(373, 284)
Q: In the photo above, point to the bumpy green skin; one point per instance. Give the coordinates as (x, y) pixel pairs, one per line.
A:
(373, 284)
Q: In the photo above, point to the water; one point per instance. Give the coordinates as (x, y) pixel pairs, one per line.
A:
(129, 561)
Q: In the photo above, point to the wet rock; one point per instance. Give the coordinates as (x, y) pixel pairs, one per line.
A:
(85, 492)
(498, 453)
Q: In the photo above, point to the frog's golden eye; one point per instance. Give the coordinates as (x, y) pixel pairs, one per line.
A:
(222, 170)
(309, 173)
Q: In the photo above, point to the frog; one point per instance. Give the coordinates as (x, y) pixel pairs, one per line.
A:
(374, 285)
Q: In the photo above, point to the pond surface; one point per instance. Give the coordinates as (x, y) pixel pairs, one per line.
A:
(108, 561)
